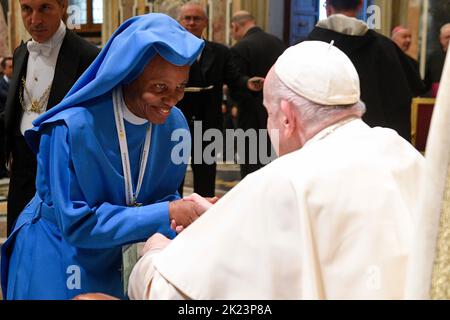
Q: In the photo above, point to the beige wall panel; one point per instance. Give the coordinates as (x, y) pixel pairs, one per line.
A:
(413, 22)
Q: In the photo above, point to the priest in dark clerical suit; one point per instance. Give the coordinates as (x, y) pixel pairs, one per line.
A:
(255, 53)
(202, 103)
(402, 37)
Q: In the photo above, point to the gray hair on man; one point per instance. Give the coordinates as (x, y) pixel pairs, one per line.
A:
(193, 3)
(445, 27)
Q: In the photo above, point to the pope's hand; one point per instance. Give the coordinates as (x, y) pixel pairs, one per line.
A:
(155, 242)
(199, 204)
(203, 203)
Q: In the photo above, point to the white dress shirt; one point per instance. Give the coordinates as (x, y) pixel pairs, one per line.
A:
(40, 72)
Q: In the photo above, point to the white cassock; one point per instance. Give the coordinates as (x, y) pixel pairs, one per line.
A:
(332, 220)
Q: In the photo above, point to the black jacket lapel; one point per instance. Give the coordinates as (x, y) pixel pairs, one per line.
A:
(207, 60)
(12, 111)
(65, 71)
(20, 65)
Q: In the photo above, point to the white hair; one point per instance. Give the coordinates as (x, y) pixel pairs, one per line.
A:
(444, 27)
(196, 4)
(312, 113)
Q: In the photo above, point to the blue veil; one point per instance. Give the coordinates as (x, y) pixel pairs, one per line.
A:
(123, 59)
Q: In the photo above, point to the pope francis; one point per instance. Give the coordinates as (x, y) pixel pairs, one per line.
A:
(330, 219)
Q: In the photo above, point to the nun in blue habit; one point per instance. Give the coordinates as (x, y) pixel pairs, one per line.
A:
(105, 176)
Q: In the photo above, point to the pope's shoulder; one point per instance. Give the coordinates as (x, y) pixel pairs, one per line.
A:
(358, 146)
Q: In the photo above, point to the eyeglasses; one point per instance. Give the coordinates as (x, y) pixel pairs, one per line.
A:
(196, 19)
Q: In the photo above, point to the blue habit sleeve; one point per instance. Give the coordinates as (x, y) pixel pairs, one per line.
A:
(105, 226)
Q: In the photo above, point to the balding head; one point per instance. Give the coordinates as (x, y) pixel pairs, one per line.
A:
(445, 36)
(402, 37)
(241, 17)
(241, 22)
(194, 18)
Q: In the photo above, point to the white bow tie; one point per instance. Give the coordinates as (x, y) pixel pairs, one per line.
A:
(37, 48)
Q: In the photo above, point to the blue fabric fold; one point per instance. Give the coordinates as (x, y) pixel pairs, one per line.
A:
(123, 59)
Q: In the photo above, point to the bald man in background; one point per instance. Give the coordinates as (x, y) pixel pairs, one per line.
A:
(202, 102)
(255, 53)
(402, 37)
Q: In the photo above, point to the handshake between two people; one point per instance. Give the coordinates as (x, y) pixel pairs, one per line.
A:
(185, 211)
(182, 213)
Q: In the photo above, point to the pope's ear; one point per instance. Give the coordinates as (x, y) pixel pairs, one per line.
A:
(289, 117)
